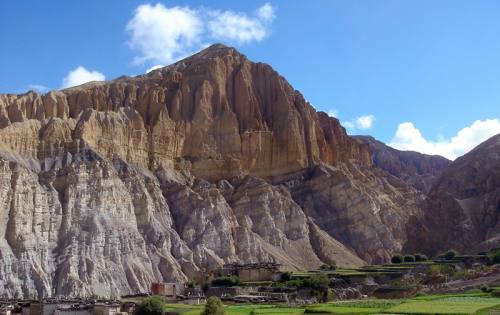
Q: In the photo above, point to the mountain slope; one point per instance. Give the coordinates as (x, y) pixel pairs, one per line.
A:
(418, 170)
(463, 210)
(109, 186)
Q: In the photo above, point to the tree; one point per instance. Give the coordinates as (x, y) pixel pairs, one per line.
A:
(409, 258)
(319, 285)
(449, 255)
(286, 276)
(214, 306)
(397, 259)
(420, 257)
(154, 305)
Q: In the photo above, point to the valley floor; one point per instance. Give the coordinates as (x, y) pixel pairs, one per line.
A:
(472, 302)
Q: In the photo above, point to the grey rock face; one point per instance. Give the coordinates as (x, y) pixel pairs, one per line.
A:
(108, 187)
(419, 170)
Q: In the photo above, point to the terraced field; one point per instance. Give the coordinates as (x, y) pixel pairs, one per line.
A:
(467, 303)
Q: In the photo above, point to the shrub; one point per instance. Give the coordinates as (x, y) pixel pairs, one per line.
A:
(286, 276)
(420, 257)
(154, 305)
(191, 284)
(332, 266)
(397, 259)
(230, 281)
(409, 258)
(485, 288)
(318, 284)
(449, 255)
(214, 306)
(318, 281)
(494, 258)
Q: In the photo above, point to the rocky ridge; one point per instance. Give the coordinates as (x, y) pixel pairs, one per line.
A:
(463, 209)
(110, 186)
(419, 170)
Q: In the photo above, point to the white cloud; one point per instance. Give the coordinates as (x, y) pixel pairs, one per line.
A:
(38, 88)
(80, 75)
(362, 123)
(266, 12)
(333, 113)
(408, 137)
(365, 122)
(164, 35)
(239, 27)
(154, 68)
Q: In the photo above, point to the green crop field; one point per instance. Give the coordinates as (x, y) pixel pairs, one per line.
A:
(451, 305)
(474, 302)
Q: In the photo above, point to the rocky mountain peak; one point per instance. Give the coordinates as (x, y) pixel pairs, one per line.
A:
(110, 186)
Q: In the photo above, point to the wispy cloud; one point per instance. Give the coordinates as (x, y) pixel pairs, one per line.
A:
(80, 75)
(333, 113)
(162, 35)
(360, 123)
(38, 88)
(408, 137)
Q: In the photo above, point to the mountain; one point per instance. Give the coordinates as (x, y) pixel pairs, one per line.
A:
(418, 170)
(109, 186)
(463, 210)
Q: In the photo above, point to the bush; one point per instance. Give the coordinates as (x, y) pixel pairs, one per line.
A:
(214, 306)
(397, 259)
(420, 257)
(449, 255)
(286, 276)
(328, 267)
(319, 286)
(231, 281)
(317, 282)
(154, 305)
(409, 258)
(191, 284)
(485, 288)
(494, 258)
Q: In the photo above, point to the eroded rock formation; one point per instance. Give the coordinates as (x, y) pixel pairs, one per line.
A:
(109, 186)
(418, 170)
(463, 210)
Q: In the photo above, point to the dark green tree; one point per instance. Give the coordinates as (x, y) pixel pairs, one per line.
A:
(286, 276)
(154, 305)
(214, 306)
(397, 259)
(449, 255)
(420, 257)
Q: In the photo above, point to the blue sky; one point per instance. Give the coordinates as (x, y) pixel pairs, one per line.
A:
(421, 75)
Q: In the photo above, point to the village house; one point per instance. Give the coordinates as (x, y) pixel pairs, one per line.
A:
(172, 290)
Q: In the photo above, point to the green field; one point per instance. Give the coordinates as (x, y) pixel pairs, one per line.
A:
(466, 303)
(452, 305)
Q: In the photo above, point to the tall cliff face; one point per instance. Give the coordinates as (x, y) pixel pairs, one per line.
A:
(418, 170)
(109, 186)
(463, 210)
(218, 111)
